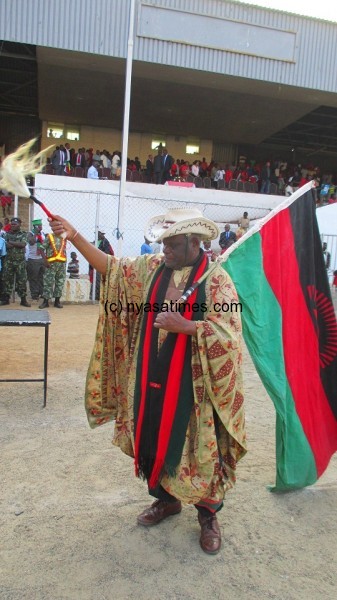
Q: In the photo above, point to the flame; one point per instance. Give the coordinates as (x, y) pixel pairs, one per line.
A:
(16, 166)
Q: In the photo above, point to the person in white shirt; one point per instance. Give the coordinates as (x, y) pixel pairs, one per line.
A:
(289, 188)
(93, 170)
(219, 174)
(116, 161)
(156, 247)
(106, 162)
(35, 265)
(195, 169)
(67, 153)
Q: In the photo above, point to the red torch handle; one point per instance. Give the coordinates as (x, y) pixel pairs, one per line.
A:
(44, 208)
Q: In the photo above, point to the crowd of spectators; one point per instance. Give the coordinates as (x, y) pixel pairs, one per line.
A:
(269, 177)
(248, 174)
(274, 177)
(67, 161)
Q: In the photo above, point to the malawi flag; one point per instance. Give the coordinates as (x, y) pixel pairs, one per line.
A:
(290, 329)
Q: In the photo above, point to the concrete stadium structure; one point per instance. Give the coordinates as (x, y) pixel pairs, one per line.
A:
(227, 77)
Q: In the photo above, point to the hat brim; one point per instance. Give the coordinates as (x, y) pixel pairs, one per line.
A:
(158, 230)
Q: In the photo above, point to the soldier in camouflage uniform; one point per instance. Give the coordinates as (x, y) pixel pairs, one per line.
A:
(53, 251)
(15, 264)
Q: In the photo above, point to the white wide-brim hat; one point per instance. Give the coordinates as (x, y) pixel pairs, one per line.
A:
(180, 221)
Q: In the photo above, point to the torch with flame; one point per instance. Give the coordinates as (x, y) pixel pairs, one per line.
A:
(17, 166)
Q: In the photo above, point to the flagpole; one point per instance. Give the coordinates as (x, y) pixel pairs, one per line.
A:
(127, 96)
(16, 204)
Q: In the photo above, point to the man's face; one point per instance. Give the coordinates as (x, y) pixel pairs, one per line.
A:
(180, 251)
(227, 227)
(15, 227)
(37, 228)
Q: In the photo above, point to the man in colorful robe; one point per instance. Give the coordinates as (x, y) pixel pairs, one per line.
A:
(171, 379)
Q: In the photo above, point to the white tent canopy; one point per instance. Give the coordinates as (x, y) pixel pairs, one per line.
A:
(327, 223)
(327, 219)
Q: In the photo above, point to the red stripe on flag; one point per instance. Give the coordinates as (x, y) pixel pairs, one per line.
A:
(300, 340)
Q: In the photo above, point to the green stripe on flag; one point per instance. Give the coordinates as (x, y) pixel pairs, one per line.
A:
(262, 331)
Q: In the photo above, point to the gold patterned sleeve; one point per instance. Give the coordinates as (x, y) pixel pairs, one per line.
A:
(217, 355)
(122, 292)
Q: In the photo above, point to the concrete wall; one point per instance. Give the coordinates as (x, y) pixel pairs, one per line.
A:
(139, 143)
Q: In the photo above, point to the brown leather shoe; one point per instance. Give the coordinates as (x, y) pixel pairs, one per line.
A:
(210, 537)
(158, 511)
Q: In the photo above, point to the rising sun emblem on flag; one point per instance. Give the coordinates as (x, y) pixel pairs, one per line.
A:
(322, 310)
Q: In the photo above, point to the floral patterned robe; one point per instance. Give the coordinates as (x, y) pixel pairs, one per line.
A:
(216, 372)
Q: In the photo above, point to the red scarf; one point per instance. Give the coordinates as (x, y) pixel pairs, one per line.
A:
(164, 392)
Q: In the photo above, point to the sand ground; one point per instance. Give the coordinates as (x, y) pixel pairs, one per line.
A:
(69, 499)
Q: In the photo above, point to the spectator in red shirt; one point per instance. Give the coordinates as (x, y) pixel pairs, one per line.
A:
(185, 169)
(303, 181)
(203, 168)
(174, 169)
(7, 225)
(6, 200)
(228, 174)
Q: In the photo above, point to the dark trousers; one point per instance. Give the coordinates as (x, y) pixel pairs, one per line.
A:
(35, 271)
(162, 494)
(165, 177)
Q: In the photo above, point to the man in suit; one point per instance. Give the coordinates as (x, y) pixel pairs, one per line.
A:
(58, 160)
(158, 166)
(149, 169)
(227, 238)
(79, 159)
(167, 162)
(266, 174)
